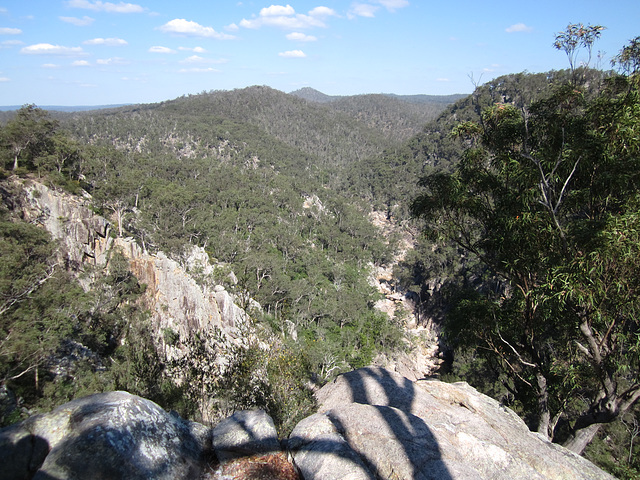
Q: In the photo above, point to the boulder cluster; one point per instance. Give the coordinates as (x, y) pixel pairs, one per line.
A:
(371, 424)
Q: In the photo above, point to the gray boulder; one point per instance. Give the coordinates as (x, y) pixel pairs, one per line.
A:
(243, 434)
(112, 435)
(427, 430)
(322, 453)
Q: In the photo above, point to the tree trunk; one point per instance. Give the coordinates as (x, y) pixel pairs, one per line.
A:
(581, 438)
(544, 419)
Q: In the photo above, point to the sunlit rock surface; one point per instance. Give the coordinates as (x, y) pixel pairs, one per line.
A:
(426, 430)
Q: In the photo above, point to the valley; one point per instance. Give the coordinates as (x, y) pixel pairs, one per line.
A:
(242, 249)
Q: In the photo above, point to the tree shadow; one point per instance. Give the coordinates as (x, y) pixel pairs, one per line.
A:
(419, 445)
(134, 449)
(105, 446)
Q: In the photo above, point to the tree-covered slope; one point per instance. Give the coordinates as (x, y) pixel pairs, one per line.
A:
(265, 122)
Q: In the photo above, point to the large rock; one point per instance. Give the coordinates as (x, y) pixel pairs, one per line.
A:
(245, 433)
(322, 453)
(425, 430)
(112, 435)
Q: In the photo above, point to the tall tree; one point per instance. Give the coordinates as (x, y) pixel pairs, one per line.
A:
(28, 131)
(546, 197)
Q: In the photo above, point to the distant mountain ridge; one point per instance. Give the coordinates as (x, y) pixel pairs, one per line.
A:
(63, 108)
(314, 95)
(306, 93)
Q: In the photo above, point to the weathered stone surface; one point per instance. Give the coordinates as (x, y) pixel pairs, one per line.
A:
(83, 235)
(245, 433)
(21, 453)
(174, 299)
(322, 453)
(430, 429)
(112, 435)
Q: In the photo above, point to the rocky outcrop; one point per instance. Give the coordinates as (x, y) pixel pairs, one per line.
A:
(425, 430)
(83, 236)
(174, 299)
(371, 424)
(176, 302)
(104, 436)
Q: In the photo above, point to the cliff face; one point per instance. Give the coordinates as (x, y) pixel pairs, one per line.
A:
(176, 302)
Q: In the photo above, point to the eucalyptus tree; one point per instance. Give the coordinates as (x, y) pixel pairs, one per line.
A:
(546, 197)
(27, 133)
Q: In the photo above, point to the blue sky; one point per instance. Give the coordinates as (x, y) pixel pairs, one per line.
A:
(89, 52)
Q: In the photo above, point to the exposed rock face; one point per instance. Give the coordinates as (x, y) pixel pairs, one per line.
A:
(176, 301)
(105, 436)
(322, 452)
(173, 297)
(372, 424)
(426, 430)
(84, 236)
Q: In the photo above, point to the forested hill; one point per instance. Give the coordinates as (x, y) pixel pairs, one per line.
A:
(330, 135)
(390, 181)
(314, 95)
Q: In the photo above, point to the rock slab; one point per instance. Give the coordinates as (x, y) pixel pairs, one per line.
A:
(245, 433)
(399, 429)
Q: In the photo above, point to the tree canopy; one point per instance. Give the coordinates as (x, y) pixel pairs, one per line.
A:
(546, 197)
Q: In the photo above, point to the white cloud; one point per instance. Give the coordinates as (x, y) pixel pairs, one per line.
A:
(10, 43)
(48, 49)
(518, 27)
(323, 12)
(194, 49)
(232, 27)
(10, 31)
(109, 42)
(393, 5)
(159, 49)
(363, 10)
(491, 68)
(50, 65)
(106, 6)
(277, 10)
(78, 22)
(186, 27)
(81, 63)
(201, 60)
(292, 54)
(112, 61)
(286, 17)
(198, 70)
(301, 37)
(369, 9)
(194, 59)
(4, 79)
(442, 79)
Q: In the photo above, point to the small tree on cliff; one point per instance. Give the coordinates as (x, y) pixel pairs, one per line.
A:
(27, 134)
(547, 198)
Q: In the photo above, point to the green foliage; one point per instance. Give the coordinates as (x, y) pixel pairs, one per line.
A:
(32, 310)
(628, 60)
(545, 198)
(616, 448)
(47, 319)
(577, 37)
(28, 135)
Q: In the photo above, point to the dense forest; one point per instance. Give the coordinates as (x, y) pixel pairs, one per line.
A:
(526, 193)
